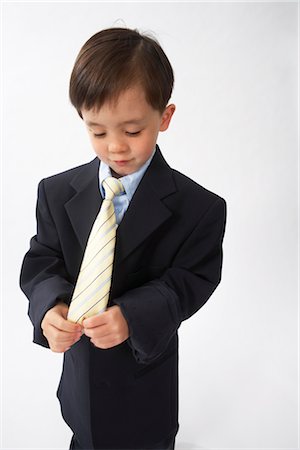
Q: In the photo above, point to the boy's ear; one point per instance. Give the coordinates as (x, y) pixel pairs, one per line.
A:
(166, 117)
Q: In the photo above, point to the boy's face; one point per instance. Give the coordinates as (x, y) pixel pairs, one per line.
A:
(124, 134)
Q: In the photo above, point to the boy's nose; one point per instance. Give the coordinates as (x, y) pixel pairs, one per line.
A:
(117, 147)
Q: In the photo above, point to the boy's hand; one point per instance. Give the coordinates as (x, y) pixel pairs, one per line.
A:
(108, 329)
(60, 333)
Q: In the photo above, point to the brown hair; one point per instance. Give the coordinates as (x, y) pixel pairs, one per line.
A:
(114, 60)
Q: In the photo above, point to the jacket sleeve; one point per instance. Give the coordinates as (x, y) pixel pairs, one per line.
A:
(182, 290)
(43, 278)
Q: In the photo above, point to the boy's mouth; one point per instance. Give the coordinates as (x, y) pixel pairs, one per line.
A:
(121, 162)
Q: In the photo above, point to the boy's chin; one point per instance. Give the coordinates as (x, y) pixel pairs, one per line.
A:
(122, 172)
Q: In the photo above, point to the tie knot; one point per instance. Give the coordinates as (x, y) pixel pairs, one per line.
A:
(112, 187)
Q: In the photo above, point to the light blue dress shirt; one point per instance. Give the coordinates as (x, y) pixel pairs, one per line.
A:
(130, 183)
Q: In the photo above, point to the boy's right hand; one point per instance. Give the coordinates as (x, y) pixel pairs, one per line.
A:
(60, 333)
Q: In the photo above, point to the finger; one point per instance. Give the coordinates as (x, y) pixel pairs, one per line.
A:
(67, 326)
(95, 321)
(57, 335)
(61, 346)
(97, 332)
(68, 338)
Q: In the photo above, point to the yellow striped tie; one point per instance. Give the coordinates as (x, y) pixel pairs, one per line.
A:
(92, 288)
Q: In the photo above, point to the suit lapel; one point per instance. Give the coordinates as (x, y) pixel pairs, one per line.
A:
(84, 206)
(146, 211)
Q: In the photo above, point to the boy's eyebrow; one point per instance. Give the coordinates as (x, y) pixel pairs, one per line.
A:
(126, 122)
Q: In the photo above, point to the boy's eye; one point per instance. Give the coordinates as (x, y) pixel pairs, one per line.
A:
(129, 133)
(132, 134)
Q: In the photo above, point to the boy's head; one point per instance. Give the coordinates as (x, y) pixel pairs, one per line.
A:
(114, 60)
(120, 85)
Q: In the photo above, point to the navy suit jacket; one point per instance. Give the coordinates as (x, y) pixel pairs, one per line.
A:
(168, 261)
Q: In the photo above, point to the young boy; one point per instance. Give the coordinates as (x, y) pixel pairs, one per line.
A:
(119, 386)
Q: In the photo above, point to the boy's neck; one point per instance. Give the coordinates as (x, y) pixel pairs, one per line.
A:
(115, 174)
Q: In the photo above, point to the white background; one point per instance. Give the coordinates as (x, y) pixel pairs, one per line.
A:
(235, 132)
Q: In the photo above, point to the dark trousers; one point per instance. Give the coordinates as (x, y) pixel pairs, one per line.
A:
(167, 444)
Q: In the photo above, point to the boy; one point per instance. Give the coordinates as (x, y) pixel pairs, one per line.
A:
(119, 386)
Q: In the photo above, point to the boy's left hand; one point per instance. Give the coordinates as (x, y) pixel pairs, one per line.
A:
(108, 329)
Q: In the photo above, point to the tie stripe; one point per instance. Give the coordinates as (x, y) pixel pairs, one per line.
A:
(98, 253)
(92, 288)
(104, 229)
(90, 296)
(96, 308)
(93, 280)
(94, 270)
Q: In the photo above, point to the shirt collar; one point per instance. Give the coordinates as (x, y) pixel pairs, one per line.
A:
(130, 182)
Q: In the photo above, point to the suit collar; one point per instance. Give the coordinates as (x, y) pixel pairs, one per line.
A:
(87, 174)
(84, 205)
(146, 211)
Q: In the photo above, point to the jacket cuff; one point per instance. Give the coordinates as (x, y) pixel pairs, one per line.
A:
(153, 319)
